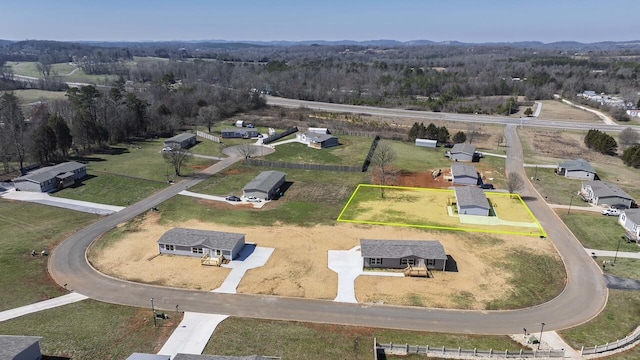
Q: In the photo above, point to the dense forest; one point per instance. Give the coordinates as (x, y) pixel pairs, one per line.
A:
(159, 87)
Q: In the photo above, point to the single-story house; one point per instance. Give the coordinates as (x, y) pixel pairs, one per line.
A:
(317, 140)
(142, 356)
(633, 113)
(51, 177)
(181, 141)
(239, 133)
(630, 221)
(398, 254)
(463, 152)
(576, 169)
(604, 193)
(197, 243)
(464, 174)
(471, 200)
(426, 143)
(20, 347)
(264, 186)
(181, 356)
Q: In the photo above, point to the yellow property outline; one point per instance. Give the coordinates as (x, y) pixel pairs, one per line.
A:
(340, 219)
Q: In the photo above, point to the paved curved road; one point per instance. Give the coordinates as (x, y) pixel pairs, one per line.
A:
(584, 296)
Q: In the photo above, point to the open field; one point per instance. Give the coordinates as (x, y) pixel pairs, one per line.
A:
(32, 95)
(351, 151)
(618, 319)
(596, 231)
(305, 341)
(62, 70)
(298, 266)
(556, 189)
(427, 209)
(28, 227)
(556, 110)
(94, 330)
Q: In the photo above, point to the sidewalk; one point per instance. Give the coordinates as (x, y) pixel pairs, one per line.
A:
(46, 199)
(621, 254)
(550, 341)
(42, 305)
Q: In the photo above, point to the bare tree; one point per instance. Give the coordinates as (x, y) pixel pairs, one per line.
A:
(246, 150)
(514, 182)
(177, 157)
(628, 137)
(382, 159)
(208, 115)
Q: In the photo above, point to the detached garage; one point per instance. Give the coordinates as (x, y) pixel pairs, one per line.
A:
(264, 186)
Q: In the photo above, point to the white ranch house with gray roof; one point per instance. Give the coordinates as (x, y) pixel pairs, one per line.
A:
(576, 169)
(317, 140)
(51, 177)
(464, 174)
(398, 254)
(630, 221)
(264, 186)
(463, 152)
(604, 193)
(471, 200)
(198, 243)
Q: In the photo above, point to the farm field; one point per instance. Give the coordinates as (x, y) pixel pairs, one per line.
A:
(64, 70)
(428, 209)
(32, 95)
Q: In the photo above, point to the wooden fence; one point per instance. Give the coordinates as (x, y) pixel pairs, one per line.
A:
(618, 344)
(406, 349)
(208, 136)
(275, 137)
(285, 165)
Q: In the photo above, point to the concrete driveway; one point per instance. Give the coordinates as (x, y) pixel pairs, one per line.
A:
(256, 205)
(46, 199)
(250, 257)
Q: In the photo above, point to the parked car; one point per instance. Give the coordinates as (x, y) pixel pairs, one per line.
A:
(167, 149)
(232, 198)
(486, 186)
(611, 212)
(252, 199)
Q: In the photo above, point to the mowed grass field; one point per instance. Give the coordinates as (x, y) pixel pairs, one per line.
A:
(427, 208)
(64, 70)
(596, 231)
(29, 96)
(351, 151)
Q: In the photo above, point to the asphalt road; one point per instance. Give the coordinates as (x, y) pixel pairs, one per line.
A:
(428, 115)
(584, 296)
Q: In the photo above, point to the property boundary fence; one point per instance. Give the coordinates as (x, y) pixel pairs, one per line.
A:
(354, 133)
(208, 136)
(618, 344)
(275, 137)
(279, 164)
(405, 349)
(372, 150)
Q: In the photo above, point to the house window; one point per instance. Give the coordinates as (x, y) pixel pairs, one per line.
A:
(196, 250)
(169, 247)
(431, 262)
(216, 252)
(375, 261)
(409, 262)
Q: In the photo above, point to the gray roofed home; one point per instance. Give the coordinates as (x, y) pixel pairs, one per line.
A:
(471, 200)
(181, 141)
(264, 186)
(20, 347)
(577, 169)
(142, 356)
(630, 221)
(462, 152)
(464, 174)
(317, 140)
(51, 178)
(197, 243)
(604, 193)
(398, 254)
(220, 357)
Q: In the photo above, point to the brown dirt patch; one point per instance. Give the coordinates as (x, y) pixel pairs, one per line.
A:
(298, 266)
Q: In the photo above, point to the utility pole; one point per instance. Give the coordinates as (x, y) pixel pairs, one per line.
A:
(153, 311)
(540, 338)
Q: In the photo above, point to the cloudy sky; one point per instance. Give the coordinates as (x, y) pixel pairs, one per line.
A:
(236, 20)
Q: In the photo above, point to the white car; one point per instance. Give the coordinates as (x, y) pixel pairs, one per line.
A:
(252, 199)
(167, 149)
(611, 212)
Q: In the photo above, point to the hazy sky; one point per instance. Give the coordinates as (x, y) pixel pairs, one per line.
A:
(462, 20)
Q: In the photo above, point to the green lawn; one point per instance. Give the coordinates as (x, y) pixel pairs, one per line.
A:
(32, 95)
(27, 227)
(556, 189)
(27, 68)
(617, 320)
(305, 341)
(596, 231)
(623, 267)
(351, 151)
(418, 159)
(93, 330)
(310, 197)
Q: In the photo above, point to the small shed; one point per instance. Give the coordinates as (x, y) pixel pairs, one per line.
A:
(398, 254)
(181, 141)
(265, 186)
(471, 200)
(426, 143)
(239, 123)
(464, 174)
(20, 347)
(198, 243)
(318, 130)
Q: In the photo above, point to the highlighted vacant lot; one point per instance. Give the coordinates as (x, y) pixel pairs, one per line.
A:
(436, 209)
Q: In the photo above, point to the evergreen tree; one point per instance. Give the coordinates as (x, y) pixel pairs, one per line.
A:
(459, 138)
(631, 156)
